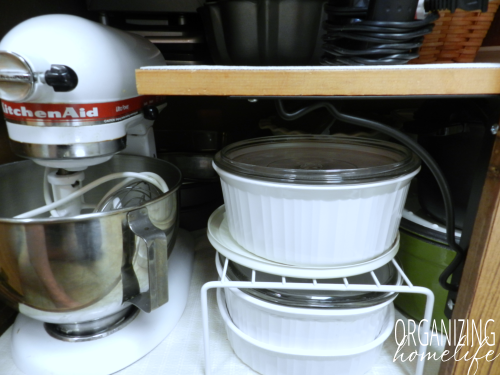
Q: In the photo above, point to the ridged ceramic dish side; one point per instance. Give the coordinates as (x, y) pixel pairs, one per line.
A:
(306, 329)
(270, 361)
(308, 225)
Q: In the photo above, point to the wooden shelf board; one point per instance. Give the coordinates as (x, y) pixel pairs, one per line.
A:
(432, 79)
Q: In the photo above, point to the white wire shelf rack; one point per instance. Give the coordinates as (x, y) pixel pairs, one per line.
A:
(405, 287)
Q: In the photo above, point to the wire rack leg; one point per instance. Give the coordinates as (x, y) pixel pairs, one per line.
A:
(422, 350)
(204, 320)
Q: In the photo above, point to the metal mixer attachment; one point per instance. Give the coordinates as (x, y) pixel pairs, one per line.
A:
(129, 194)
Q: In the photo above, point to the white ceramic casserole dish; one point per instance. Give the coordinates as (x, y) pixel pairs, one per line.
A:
(269, 360)
(315, 201)
(309, 320)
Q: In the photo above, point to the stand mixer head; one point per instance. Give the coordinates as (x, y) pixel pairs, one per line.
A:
(68, 89)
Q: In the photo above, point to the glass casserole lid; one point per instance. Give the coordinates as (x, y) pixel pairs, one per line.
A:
(387, 275)
(317, 159)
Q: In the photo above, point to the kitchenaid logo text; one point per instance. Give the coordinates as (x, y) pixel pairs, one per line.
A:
(456, 333)
(63, 113)
(69, 112)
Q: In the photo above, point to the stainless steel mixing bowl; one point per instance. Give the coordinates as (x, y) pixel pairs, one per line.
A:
(88, 267)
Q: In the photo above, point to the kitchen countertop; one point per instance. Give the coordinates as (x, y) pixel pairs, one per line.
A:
(182, 351)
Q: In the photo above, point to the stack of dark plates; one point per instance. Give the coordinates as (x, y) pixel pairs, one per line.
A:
(376, 32)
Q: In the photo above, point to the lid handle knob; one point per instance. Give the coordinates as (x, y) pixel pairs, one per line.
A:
(61, 78)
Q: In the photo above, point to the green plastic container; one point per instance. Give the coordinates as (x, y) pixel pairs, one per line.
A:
(423, 255)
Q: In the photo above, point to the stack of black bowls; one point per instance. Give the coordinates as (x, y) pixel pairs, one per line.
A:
(373, 32)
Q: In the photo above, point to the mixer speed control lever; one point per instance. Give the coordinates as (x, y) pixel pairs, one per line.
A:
(150, 112)
(61, 78)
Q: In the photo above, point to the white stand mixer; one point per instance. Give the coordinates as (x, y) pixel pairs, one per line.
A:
(67, 88)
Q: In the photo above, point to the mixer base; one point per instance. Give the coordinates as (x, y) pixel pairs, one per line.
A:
(35, 352)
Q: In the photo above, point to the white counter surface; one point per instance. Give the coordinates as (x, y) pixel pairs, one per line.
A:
(182, 351)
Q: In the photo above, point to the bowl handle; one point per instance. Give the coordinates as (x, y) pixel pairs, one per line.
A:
(157, 250)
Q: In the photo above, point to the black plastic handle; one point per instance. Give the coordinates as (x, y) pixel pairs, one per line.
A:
(61, 78)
